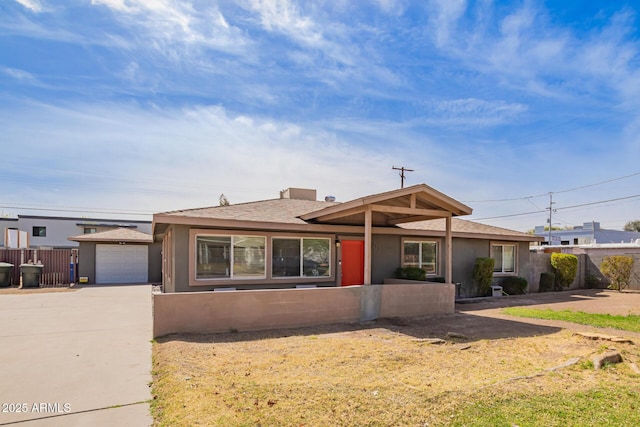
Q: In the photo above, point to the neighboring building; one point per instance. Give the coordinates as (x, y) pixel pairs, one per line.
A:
(298, 241)
(31, 231)
(588, 233)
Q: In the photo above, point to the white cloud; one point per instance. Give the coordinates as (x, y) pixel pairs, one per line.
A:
(18, 74)
(33, 5)
(131, 158)
(525, 50)
(471, 112)
(283, 16)
(179, 25)
(444, 19)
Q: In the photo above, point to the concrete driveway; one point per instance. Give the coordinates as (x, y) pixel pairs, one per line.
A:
(79, 358)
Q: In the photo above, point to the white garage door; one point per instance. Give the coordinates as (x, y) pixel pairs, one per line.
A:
(121, 264)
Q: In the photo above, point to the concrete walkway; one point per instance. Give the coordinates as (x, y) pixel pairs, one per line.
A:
(78, 358)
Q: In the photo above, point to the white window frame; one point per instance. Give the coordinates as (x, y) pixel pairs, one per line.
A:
(420, 242)
(301, 239)
(515, 258)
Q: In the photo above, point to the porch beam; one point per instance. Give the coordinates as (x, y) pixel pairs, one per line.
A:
(397, 221)
(342, 214)
(367, 245)
(412, 203)
(410, 211)
(448, 277)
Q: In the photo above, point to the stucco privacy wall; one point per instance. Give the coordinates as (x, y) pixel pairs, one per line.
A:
(253, 310)
(595, 256)
(588, 264)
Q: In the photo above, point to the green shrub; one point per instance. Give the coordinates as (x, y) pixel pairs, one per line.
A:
(566, 267)
(547, 281)
(618, 269)
(483, 275)
(411, 273)
(515, 285)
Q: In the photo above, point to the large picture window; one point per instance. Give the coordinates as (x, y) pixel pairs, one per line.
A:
(505, 257)
(421, 254)
(230, 257)
(301, 257)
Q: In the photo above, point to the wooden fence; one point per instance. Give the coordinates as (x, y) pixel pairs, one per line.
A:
(60, 265)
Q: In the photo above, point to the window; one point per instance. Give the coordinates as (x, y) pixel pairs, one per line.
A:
(230, 257)
(300, 257)
(421, 254)
(505, 256)
(39, 232)
(89, 230)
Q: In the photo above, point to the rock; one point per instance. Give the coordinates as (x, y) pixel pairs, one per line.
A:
(635, 368)
(430, 340)
(455, 335)
(568, 363)
(610, 357)
(594, 336)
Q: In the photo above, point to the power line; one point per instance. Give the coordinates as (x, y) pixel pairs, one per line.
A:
(555, 192)
(558, 209)
(83, 210)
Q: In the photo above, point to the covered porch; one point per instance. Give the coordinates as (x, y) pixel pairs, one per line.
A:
(387, 210)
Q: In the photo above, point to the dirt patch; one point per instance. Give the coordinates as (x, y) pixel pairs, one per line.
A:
(418, 371)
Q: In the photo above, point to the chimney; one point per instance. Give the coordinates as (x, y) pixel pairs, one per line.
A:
(298, 194)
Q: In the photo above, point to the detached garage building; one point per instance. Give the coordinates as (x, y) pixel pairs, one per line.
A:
(119, 256)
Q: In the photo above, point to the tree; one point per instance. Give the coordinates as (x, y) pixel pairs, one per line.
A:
(632, 225)
(223, 200)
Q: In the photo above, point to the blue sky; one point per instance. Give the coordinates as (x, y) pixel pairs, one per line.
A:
(138, 106)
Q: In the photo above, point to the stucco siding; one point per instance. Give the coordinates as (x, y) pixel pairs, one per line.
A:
(207, 312)
(385, 257)
(87, 261)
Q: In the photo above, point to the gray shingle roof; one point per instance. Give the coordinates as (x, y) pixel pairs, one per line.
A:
(287, 211)
(116, 235)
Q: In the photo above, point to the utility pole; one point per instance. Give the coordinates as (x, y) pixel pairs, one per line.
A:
(402, 171)
(550, 210)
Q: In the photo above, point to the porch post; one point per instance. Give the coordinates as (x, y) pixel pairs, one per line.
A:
(367, 245)
(448, 277)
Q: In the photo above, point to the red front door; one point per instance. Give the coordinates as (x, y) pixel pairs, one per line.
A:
(352, 262)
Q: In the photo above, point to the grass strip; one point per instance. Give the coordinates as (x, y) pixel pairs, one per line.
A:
(630, 322)
(605, 405)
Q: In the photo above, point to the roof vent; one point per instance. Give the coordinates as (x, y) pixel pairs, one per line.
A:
(330, 198)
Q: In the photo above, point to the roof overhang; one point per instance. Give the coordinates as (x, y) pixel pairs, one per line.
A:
(415, 203)
(120, 235)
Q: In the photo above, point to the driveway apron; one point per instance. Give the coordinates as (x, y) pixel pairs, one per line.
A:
(79, 358)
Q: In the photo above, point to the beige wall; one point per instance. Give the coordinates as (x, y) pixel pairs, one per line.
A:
(252, 310)
(417, 299)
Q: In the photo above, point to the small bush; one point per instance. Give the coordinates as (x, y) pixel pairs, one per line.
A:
(547, 281)
(618, 269)
(515, 285)
(411, 273)
(483, 275)
(566, 267)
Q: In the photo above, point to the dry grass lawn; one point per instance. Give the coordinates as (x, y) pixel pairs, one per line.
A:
(388, 373)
